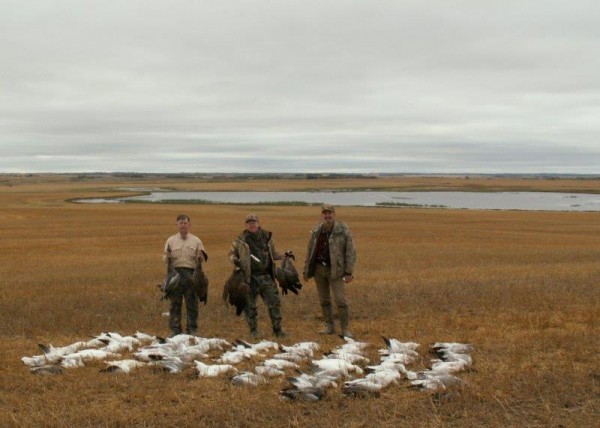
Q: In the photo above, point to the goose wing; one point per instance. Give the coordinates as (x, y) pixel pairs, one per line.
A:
(200, 284)
(235, 291)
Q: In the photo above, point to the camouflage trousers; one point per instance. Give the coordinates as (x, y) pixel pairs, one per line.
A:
(184, 290)
(265, 287)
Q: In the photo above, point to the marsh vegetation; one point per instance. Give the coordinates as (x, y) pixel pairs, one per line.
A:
(522, 287)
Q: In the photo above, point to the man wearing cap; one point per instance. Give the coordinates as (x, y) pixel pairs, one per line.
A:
(253, 251)
(183, 252)
(330, 259)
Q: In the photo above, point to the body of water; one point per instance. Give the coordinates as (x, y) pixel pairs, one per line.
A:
(530, 201)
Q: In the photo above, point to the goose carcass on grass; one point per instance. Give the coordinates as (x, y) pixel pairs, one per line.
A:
(287, 275)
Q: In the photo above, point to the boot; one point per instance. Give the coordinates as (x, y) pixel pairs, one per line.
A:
(343, 315)
(275, 315)
(280, 333)
(328, 315)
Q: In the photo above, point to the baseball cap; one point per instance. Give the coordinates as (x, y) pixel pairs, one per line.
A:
(250, 217)
(327, 207)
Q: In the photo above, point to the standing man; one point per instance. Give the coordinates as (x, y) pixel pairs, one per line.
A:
(183, 252)
(253, 251)
(330, 260)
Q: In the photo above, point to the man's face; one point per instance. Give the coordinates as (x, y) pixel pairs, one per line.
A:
(183, 226)
(252, 226)
(328, 216)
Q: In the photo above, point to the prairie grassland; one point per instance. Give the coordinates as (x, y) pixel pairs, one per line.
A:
(522, 287)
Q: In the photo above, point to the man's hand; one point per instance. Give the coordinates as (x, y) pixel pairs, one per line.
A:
(348, 278)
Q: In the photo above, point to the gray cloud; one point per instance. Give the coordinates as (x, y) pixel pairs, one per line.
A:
(333, 85)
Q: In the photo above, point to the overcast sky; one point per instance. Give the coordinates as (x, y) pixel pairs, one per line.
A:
(444, 86)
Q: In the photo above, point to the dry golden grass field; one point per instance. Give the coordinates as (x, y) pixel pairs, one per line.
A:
(522, 287)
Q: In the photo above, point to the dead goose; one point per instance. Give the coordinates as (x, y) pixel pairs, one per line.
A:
(447, 355)
(213, 370)
(337, 365)
(235, 291)
(53, 355)
(352, 346)
(454, 347)
(248, 379)
(399, 358)
(303, 349)
(362, 388)
(449, 367)
(262, 346)
(268, 371)
(287, 275)
(319, 379)
(302, 394)
(78, 359)
(436, 382)
(122, 366)
(47, 370)
(372, 383)
(200, 283)
(351, 358)
(172, 365)
(392, 365)
(280, 364)
(396, 346)
(35, 361)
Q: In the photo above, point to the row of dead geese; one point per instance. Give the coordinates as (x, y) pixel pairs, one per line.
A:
(347, 364)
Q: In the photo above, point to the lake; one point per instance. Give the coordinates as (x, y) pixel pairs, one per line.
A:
(530, 201)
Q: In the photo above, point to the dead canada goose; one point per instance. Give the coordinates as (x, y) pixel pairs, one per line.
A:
(235, 291)
(200, 284)
(287, 275)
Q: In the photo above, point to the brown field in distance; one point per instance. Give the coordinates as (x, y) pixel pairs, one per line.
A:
(522, 287)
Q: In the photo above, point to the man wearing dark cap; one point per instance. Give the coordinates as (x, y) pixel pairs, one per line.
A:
(330, 259)
(253, 251)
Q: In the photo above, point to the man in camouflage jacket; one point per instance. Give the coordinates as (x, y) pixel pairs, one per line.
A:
(330, 259)
(253, 251)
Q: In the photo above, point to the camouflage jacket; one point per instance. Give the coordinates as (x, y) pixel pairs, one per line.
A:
(239, 254)
(341, 251)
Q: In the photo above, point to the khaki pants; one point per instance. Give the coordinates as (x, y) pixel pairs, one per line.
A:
(326, 286)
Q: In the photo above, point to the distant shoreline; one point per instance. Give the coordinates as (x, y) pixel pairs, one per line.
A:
(303, 176)
(91, 185)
